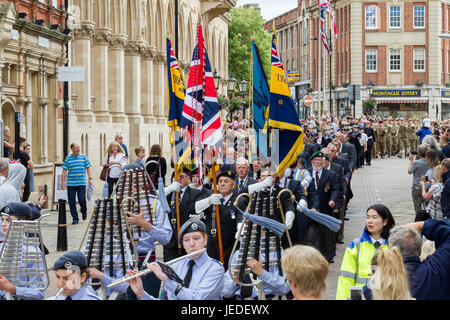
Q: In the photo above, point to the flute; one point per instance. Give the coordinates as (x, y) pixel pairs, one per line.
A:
(59, 293)
(147, 270)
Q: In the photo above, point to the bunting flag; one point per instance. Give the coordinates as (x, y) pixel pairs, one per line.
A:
(176, 92)
(283, 116)
(201, 114)
(261, 97)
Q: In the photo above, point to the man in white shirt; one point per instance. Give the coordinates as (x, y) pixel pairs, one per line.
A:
(363, 139)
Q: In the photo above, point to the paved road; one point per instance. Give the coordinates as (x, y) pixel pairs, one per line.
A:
(386, 181)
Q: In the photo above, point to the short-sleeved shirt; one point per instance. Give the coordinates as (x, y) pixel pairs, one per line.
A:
(418, 168)
(76, 169)
(24, 157)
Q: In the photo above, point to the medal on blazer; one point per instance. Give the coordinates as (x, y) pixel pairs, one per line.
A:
(233, 216)
(327, 187)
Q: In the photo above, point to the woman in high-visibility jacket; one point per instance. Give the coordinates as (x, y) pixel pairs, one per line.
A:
(356, 265)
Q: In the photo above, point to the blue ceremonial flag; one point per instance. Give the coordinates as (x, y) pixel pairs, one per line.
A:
(282, 115)
(261, 96)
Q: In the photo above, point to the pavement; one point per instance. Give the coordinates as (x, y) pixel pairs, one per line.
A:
(386, 181)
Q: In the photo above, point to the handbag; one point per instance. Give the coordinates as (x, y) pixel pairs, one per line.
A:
(422, 215)
(104, 173)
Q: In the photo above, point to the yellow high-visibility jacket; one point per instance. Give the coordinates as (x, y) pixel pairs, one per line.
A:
(356, 267)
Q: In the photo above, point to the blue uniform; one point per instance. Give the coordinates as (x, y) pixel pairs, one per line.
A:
(85, 293)
(274, 284)
(28, 292)
(161, 233)
(206, 283)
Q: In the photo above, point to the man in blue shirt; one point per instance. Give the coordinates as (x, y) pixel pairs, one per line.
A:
(119, 139)
(74, 168)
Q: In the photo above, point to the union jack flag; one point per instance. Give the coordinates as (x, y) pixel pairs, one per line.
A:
(201, 114)
(324, 6)
(276, 59)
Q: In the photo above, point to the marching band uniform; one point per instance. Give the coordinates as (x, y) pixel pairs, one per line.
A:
(207, 274)
(68, 260)
(274, 284)
(28, 292)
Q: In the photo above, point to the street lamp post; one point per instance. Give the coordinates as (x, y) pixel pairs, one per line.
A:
(217, 78)
(370, 91)
(243, 90)
(231, 84)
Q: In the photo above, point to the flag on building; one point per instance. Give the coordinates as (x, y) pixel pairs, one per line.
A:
(261, 97)
(283, 116)
(325, 6)
(201, 114)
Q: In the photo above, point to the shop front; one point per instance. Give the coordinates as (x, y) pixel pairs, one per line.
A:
(343, 103)
(445, 104)
(408, 104)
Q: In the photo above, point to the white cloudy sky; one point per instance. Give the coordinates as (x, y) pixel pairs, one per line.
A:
(271, 8)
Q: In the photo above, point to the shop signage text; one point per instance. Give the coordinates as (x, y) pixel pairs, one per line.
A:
(396, 93)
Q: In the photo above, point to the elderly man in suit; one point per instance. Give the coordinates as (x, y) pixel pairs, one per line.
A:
(327, 186)
(243, 180)
(347, 148)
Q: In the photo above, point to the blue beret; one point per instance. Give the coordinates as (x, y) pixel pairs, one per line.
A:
(17, 209)
(73, 257)
(192, 225)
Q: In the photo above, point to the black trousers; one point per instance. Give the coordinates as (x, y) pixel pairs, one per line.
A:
(111, 183)
(321, 238)
(26, 189)
(369, 152)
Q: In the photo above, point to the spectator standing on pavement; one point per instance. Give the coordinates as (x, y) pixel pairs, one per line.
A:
(119, 139)
(140, 162)
(30, 173)
(306, 270)
(434, 145)
(114, 159)
(356, 266)
(389, 282)
(156, 170)
(443, 140)
(25, 160)
(75, 167)
(7, 147)
(417, 168)
(16, 176)
(433, 195)
(428, 279)
(445, 196)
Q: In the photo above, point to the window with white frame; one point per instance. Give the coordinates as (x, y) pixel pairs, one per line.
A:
(371, 60)
(419, 17)
(419, 60)
(395, 60)
(371, 17)
(394, 17)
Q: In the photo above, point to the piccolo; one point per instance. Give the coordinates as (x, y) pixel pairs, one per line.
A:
(147, 270)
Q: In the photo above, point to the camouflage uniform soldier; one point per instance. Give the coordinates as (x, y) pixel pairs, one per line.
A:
(375, 148)
(411, 135)
(403, 138)
(395, 139)
(382, 138)
(388, 126)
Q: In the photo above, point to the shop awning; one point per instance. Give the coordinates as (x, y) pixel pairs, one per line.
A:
(445, 101)
(403, 100)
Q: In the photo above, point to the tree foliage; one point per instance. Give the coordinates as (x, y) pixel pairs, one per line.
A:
(247, 25)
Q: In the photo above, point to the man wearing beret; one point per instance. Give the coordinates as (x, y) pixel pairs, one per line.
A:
(202, 277)
(188, 197)
(326, 183)
(31, 291)
(71, 275)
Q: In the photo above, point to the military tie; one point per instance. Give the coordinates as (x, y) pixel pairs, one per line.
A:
(317, 179)
(241, 185)
(188, 277)
(222, 200)
(68, 298)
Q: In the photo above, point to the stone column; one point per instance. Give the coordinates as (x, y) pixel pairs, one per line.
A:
(100, 74)
(159, 86)
(116, 84)
(147, 85)
(81, 57)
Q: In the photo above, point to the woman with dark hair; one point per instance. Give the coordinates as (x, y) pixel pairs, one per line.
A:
(356, 264)
(159, 169)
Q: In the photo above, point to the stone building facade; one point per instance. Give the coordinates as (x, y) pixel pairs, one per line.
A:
(122, 46)
(32, 47)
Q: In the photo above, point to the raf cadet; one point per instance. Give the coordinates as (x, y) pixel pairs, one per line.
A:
(201, 276)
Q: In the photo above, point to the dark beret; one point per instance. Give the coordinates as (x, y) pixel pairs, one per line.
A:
(194, 170)
(192, 225)
(71, 258)
(18, 209)
(228, 174)
(316, 154)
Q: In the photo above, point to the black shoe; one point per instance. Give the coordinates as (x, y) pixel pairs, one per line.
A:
(75, 222)
(340, 241)
(84, 216)
(346, 218)
(331, 261)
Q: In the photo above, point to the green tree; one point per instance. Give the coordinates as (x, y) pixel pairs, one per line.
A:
(245, 26)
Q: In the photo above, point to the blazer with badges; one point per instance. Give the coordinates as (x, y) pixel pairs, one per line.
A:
(187, 207)
(206, 282)
(327, 189)
(247, 181)
(350, 150)
(339, 171)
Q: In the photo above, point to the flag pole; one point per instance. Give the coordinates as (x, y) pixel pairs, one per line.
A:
(177, 194)
(219, 228)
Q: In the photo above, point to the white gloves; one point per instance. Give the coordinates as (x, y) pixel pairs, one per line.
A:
(202, 205)
(199, 216)
(260, 185)
(206, 180)
(287, 172)
(239, 225)
(175, 186)
(305, 184)
(302, 204)
(290, 216)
